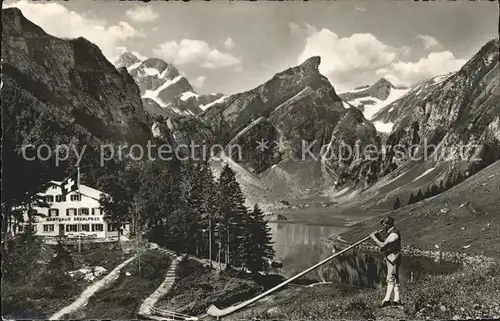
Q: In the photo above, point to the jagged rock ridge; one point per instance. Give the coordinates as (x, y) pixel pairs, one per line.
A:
(164, 91)
(371, 99)
(70, 76)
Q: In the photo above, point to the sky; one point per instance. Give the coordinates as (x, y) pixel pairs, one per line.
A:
(230, 47)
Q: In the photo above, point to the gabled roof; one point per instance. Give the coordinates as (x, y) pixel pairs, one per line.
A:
(84, 190)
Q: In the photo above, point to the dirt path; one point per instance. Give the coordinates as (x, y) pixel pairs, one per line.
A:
(83, 299)
(147, 306)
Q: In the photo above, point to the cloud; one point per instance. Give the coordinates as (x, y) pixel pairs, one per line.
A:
(361, 59)
(436, 63)
(199, 81)
(346, 60)
(304, 29)
(294, 28)
(195, 52)
(58, 21)
(142, 14)
(229, 43)
(124, 31)
(429, 41)
(361, 9)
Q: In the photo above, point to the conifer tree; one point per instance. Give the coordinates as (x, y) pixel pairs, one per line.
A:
(233, 215)
(434, 190)
(209, 209)
(258, 241)
(441, 186)
(397, 203)
(427, 193)
(419, 196)
(412, 199)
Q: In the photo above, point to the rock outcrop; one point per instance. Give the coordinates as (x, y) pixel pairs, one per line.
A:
(458, 113)
(163, 90)
(70, 76)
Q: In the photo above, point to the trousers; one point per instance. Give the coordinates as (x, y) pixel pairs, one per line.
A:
(393, 264)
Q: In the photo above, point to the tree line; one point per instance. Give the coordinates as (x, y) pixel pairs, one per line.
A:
(178, 204)
(182, 206)
(454, 178)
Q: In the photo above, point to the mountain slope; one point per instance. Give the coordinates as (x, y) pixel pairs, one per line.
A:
(464, 218)
(371, 99)
(284, 125)
(61, 92)
(72, 75)
(445, 125)
(164, 91)
(454, 112)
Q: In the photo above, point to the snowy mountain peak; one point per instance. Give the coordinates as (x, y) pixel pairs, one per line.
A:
(371, 99)
(163, 90)
(126, 60)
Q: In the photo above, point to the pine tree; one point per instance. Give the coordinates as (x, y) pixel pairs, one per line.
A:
(412, 199)
(209, 209)
(397, 203)
(257, 246)
(434, 190)
(117, 201)
(441, 187)
(233, 215)
(158, 200)
(190, 207)
(427, 193)
(419, 196)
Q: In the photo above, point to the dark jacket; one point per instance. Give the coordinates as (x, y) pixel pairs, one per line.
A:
(393, 247)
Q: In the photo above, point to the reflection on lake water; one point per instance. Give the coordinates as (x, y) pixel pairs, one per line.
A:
(288, 237)
(299, 246)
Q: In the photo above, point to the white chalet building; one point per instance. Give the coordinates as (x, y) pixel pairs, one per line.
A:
(77, 215)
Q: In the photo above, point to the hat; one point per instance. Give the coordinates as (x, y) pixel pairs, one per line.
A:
(387, 221)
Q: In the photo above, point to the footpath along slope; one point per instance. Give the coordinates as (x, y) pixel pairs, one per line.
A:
(83, 299)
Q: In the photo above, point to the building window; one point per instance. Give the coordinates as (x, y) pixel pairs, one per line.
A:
(97, 211)
(48, 228)
(83, 211)
(70, 211)
(20, 228)
(53, 212)
(75, 197)
(49, 198)
(54, 186)
(85, 228)
(71, 228)
(60, 198)
(97, 228)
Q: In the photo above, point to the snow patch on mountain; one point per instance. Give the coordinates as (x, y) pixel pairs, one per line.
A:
(441, 78)
(373, 105)
(151, 71)
(424, 173)
(205, 107)
(134, 66)
(188, 94)
(155, 130)
(153, 94)
(168, 83)
(383, 127)
(372, 99)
